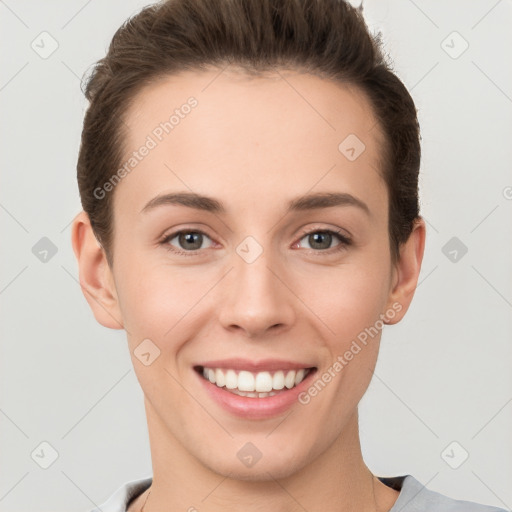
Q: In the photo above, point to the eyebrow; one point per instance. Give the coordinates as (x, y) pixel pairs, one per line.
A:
(314, 201)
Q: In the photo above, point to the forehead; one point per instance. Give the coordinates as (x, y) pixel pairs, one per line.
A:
(272, 101)
(285, 131)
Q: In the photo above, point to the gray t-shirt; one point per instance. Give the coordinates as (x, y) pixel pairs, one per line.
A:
(414, 497)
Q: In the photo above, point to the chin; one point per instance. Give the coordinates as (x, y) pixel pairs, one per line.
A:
(262, 474)
(270, 467)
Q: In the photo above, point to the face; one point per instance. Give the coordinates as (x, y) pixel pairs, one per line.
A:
(270, 275)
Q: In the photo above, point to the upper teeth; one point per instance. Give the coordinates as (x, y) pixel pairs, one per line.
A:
(260, 382)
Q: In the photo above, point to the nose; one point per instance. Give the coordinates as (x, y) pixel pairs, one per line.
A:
(259, 298)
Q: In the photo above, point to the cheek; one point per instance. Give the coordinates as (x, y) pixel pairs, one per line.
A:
(347, 299)
(154, 298)
(158, 304)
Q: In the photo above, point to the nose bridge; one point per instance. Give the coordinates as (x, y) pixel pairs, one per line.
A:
(257, 299)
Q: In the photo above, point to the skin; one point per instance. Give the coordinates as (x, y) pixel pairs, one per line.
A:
(253, 144)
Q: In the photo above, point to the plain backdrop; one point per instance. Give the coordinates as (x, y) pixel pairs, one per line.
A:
(442, 389)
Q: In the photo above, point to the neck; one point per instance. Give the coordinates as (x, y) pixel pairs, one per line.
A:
(336, 481)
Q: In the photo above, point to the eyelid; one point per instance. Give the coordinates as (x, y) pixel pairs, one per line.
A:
(170, 233)
(342, 233)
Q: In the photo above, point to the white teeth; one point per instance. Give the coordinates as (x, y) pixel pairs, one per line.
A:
(278, 380)
(220, 380)
(252, 395)
(261, 384)
(246, 381)
(289, 380)
(231, 379)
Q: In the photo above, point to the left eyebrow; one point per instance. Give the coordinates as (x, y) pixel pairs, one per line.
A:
(327, 200)
(315, 201)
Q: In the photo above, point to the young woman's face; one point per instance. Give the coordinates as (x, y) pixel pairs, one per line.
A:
(264, 277)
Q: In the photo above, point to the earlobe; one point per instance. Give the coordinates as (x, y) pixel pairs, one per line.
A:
(95, 276)
(407, 272)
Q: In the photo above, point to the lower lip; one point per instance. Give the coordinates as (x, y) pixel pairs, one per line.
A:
(255, 408)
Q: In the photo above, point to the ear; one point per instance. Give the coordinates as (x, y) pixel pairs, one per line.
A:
(95, 276)
(406, 273)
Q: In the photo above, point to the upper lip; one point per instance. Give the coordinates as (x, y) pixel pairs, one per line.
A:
(255, 366)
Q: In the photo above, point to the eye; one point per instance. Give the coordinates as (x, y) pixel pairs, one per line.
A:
(188, 241)
(320, 240)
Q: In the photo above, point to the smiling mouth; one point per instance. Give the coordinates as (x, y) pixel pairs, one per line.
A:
(254, 384)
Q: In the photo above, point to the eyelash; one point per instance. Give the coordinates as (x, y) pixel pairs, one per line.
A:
(344, 241)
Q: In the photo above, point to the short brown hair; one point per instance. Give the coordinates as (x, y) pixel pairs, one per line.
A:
(327, 38)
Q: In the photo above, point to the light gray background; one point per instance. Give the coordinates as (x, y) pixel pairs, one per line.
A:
(444, 373)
